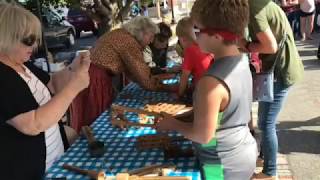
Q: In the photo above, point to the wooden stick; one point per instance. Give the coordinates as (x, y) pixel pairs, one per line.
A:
(125, 176)
(151, 169)
(87, 131)
(164, 178)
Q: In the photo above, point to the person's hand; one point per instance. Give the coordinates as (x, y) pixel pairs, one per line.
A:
(76, 63)
(164, 123)
(80, 71)
(242, 45)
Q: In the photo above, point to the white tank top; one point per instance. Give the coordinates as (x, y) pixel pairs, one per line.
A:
(54, 144)
(308, 6)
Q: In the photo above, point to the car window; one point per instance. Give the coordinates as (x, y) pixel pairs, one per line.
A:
(74, 12)
(51, 17)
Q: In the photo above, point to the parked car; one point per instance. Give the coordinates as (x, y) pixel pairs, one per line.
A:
(57, 31)
(81, 21)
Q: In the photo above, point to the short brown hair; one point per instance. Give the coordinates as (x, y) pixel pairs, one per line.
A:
(184, 28)
(165, 32)
(229, 15)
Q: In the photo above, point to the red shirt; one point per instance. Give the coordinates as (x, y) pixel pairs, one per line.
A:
(196, 61)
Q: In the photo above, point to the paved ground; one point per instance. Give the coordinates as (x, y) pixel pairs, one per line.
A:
(299, 123)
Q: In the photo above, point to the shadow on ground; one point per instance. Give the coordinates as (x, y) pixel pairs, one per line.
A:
(313, 64)
(300, 137)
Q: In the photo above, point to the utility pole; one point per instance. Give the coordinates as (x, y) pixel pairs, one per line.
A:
(173, 21)
(44, 43)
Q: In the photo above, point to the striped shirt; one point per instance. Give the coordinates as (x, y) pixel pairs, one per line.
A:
(54, 144)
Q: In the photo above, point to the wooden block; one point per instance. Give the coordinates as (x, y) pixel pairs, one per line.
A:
(122, 176)
(164, 178)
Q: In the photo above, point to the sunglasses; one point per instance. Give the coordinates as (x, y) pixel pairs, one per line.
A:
(227, 35)
(30, 40)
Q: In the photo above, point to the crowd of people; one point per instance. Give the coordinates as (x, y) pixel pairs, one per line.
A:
(216, 54)
(301, 15)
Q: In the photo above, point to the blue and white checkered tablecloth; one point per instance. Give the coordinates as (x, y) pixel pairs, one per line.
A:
(121, 154)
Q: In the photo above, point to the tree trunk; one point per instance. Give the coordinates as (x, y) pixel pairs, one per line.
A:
(107, 13)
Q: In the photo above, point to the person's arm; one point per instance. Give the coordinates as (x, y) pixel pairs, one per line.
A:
(293, 2)
(184, 79)
(210, 95)
(187, 67)
(264, 40)
(59, 80)
(137, 69)
(38, 120)
(266, 44)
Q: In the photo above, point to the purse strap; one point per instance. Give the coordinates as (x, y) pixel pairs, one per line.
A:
(279, 52)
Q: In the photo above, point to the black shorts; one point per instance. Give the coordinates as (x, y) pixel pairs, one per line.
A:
(306, 14)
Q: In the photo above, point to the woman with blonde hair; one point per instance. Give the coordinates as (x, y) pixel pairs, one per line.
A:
(116, 53)
(29, 131)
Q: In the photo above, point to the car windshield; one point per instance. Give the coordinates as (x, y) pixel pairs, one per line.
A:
(75, 12)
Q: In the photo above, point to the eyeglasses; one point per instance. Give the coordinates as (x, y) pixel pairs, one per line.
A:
(227, 35)
(30, 40)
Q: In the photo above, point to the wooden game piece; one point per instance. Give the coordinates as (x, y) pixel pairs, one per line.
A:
(122, 176)
(124, 123)
(156, 141)
(152, 169)
(96, 148)
(174, 109)
(125, 176)
(118, 108)
(166, 143)
(118, 119)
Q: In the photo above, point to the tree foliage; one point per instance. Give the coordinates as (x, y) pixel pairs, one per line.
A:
(106, 13)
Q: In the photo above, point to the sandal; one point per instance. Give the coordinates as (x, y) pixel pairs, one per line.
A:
(262, 176)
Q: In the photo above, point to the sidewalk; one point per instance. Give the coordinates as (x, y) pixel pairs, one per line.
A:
(299, 121)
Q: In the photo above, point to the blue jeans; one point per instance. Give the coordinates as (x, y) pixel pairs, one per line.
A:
(267, 115)
(294, 20)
